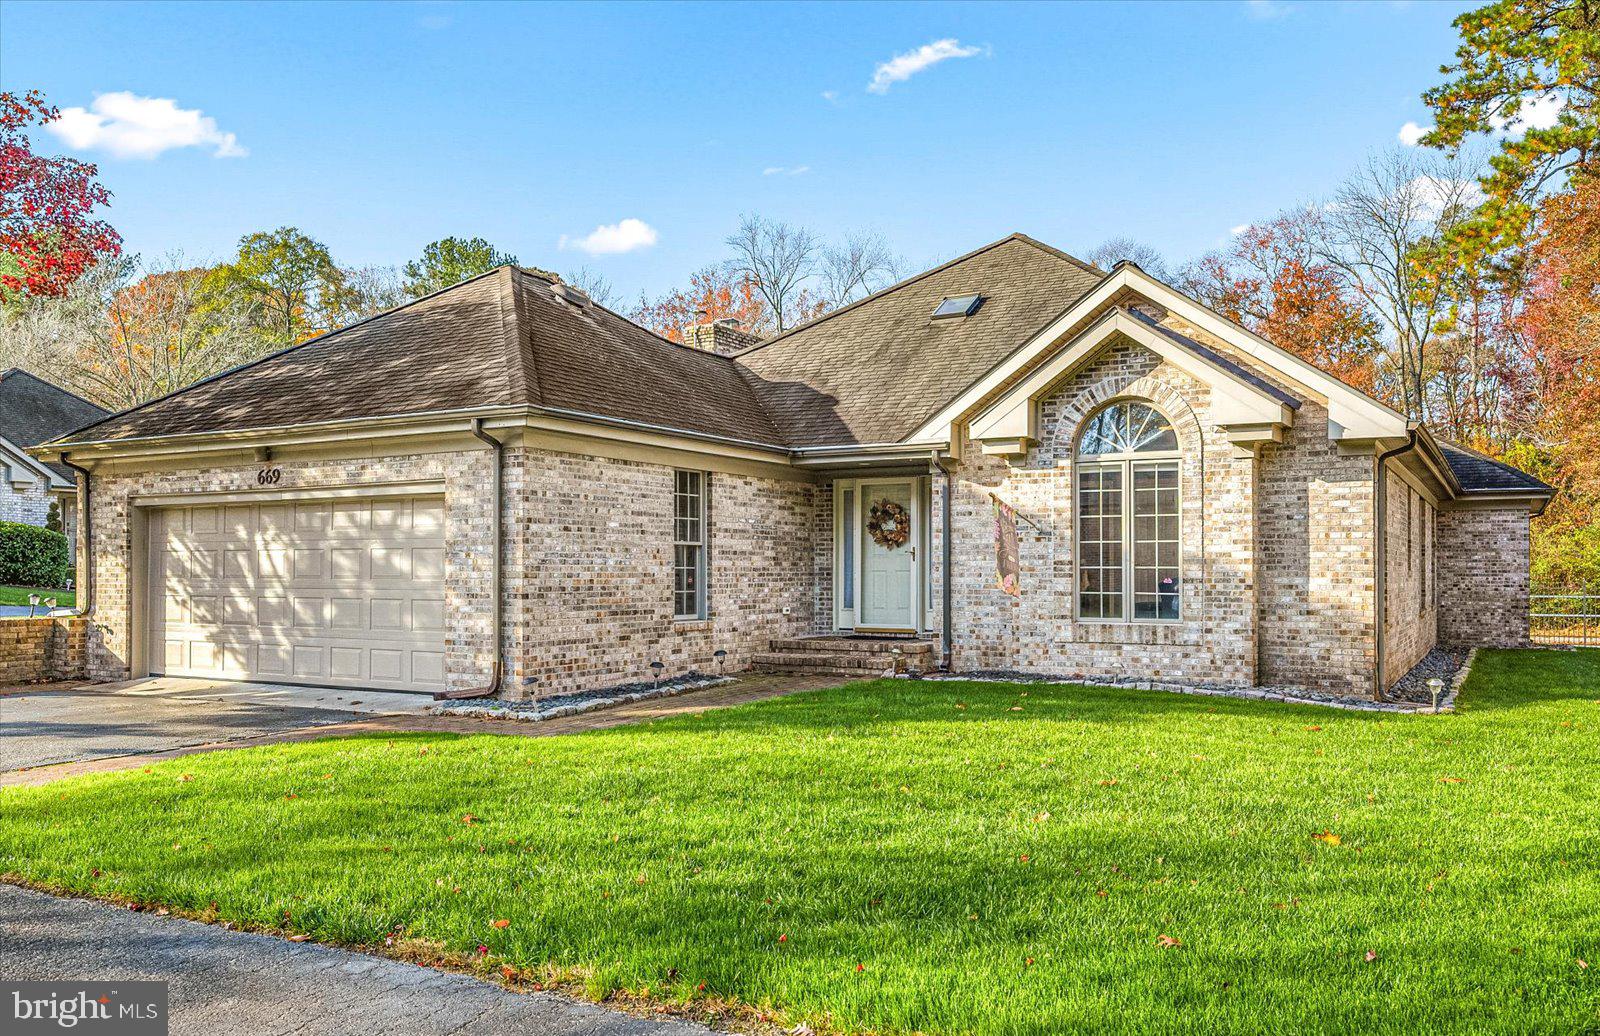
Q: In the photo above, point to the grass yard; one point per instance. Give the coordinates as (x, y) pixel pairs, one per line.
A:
(19, 595)
(936, 857)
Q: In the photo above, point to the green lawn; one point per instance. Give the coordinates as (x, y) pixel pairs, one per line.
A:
(19, 595)
(939, 857)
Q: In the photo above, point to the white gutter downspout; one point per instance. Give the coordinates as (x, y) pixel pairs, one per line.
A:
(493, 687)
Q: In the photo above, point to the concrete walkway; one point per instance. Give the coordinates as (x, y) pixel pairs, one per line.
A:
(225, 983)
(750, 687)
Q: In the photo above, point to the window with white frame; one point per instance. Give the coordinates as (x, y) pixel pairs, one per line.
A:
(689, 545)
(1129, 515)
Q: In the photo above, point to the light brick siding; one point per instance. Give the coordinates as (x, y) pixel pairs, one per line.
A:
(41, 649)
(1317, 580)
(588, 562)
(467, 479)
(28, 505)
(1213, 643)
(1483, 577)
(1410, 628)
(593, 601)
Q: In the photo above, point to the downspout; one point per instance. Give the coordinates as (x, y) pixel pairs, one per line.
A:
(946, 580)
(1380, 518)
(84, 545)
(498, 448)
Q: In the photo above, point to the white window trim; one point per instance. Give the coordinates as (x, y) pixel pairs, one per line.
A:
(702, 566)
(1126, 462)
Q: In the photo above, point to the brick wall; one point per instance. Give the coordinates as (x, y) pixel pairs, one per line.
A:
(1410, 626)
(42, 649)
(1215, 641)
(587, 583)
(593, 603)
(28, 505)
(1483, 577)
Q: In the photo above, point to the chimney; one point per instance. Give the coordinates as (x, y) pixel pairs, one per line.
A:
(723, 337)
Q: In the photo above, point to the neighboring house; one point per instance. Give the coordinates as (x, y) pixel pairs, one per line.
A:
(31, 411)
(1192, 503)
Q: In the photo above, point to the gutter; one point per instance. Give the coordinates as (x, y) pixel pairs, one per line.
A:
(498, 449)
(946, 576)
(1380, 518)
(86, 543)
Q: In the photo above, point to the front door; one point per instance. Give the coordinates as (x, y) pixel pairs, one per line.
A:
(889, 539)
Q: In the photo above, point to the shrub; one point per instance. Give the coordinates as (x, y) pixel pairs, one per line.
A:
(31, 556)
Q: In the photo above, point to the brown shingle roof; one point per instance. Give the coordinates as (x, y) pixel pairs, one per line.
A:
(502, 339)
(874, 371)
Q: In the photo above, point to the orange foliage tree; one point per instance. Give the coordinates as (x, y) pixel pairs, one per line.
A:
(1271, 281)
(714, 293)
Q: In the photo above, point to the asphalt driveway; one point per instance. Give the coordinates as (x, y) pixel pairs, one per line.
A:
(225, 983)
(74, 724)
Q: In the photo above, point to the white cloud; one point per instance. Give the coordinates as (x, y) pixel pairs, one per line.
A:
(903, 66)
(1240, 229)
(1411, 134)
(130, 126)
(1267, 10)
(1539, 113)
(1433, 193)
(830, 96)
(627, 235)
(781, 170)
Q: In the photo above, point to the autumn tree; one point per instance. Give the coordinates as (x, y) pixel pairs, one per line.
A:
(714, 293)
(450, 261)
(48, 233)
(288, 281)
(1272, 280)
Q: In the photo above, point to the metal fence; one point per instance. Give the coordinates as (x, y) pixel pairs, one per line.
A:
(1565, 619)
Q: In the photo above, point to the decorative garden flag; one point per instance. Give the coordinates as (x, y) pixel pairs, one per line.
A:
(1007, 554)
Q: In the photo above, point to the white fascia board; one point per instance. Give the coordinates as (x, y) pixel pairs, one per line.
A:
(1351, 414)
(15, 457)
(1233, 401)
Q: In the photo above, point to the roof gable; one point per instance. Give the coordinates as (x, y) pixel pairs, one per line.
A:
(33, 410)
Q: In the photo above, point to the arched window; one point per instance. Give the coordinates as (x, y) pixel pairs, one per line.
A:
(1128, 516)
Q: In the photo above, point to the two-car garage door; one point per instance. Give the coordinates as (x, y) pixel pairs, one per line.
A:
(344, 592)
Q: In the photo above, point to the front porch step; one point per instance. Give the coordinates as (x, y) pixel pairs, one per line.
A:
(845, 656)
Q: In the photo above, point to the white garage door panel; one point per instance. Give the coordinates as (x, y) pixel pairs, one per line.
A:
(328, 592)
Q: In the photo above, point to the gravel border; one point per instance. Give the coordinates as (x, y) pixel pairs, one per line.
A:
(535, 710)
(1285, 695)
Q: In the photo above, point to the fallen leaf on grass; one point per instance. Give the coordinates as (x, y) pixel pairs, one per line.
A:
(1452, 780)
(1372, 955)
(1167, 942)
(1582, 963)
(1314, 730)
(502, 923)
(185, 777)
(298, 938)
(1327, 836)
(1108, 783)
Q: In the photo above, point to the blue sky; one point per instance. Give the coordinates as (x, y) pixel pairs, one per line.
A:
(380, 127)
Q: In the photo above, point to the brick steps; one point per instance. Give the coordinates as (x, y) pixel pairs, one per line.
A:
(844, 656)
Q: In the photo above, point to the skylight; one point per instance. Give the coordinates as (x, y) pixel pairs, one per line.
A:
(957, 306)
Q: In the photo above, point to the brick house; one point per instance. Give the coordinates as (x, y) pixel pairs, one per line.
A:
(33, 410)
(1190, 502)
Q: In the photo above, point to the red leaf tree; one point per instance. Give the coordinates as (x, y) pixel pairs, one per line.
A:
(47, 231)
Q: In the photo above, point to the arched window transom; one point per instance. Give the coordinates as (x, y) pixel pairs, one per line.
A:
(1129, 514)
(1127, 427)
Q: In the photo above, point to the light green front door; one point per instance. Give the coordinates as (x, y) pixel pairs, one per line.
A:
(889, 571)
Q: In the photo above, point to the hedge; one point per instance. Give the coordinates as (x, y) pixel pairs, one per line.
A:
(31, 556)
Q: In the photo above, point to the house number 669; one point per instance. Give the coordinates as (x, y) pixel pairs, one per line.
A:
(269, 476)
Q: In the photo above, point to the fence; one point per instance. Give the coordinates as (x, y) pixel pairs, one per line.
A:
(1565, 619)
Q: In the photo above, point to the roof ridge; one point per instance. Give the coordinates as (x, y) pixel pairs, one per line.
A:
(236, 368)
(881, 292)
(1087, 267)
(520, 362)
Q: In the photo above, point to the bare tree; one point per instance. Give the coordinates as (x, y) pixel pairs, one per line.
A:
(856, 268)
(1113, 250)
(372, 289)
(778, 259)
(1384, 218)
(593, 284)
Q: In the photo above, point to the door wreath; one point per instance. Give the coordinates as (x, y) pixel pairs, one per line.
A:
(888, 524)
